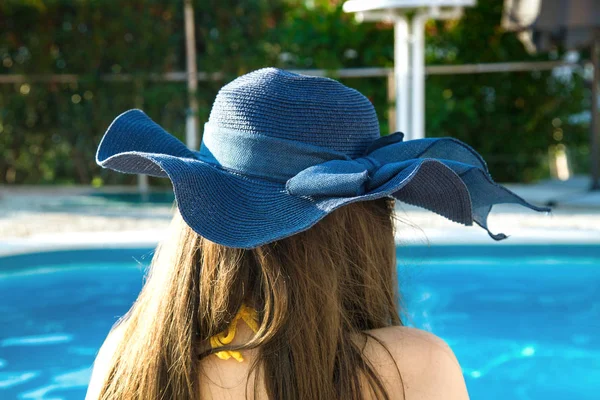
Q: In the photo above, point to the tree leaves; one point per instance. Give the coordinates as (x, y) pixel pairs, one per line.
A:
(49, 131)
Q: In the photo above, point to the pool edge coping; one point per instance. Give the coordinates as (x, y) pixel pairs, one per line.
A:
(425, 237)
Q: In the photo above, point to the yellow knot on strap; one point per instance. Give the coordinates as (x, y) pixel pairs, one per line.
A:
(250, 317)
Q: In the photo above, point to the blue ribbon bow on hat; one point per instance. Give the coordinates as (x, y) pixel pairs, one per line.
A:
(443, 175)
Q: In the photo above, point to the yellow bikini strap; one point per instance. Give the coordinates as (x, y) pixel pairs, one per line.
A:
(250, 317)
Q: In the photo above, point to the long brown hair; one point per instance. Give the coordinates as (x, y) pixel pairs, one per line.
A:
(314, 291)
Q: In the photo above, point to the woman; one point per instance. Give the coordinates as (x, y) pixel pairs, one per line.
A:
(278, 277)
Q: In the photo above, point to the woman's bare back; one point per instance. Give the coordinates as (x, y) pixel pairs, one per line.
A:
(428, 368)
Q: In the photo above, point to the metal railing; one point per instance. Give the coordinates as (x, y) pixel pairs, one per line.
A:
(368, 72)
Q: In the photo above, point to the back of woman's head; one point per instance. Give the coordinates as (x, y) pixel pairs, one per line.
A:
(315, 293)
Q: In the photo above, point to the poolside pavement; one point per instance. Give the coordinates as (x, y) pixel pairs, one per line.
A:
(43, 218)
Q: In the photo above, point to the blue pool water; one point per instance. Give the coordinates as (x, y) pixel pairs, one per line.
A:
(524, 321)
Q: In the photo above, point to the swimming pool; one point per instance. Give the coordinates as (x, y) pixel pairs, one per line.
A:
(524, 321)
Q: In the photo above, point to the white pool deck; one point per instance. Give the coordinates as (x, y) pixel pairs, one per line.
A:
(53, 218)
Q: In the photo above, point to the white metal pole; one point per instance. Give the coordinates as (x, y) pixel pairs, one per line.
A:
(401, 71)
(143, 184)
(595, 126)
(191, 122)
(418, 76)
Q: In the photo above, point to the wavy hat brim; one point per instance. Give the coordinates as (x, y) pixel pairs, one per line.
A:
(241, 211)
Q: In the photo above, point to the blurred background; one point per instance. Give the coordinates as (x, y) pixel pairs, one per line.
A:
(69, 67)
(514, 79)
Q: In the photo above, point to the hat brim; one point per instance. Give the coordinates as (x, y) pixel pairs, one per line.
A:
(223, 207)
(240, 211)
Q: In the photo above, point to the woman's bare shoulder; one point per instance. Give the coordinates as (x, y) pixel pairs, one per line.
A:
(102, 361)
(428, 367)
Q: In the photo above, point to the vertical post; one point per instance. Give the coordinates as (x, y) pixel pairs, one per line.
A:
(594, 131)
(391, 98)
(143, 185)
(418, 76)
(191, 122)
(401, 71)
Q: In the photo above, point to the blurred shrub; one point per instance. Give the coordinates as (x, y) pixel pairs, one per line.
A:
(49, 131)
(510, 118)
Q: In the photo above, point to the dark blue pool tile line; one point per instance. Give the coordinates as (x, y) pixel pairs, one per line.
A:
(144, 254)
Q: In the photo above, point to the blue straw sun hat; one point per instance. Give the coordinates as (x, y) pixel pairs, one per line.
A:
(281, 150)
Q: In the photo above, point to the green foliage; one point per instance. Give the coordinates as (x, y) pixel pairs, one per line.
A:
(510, 118)
(49, 131)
